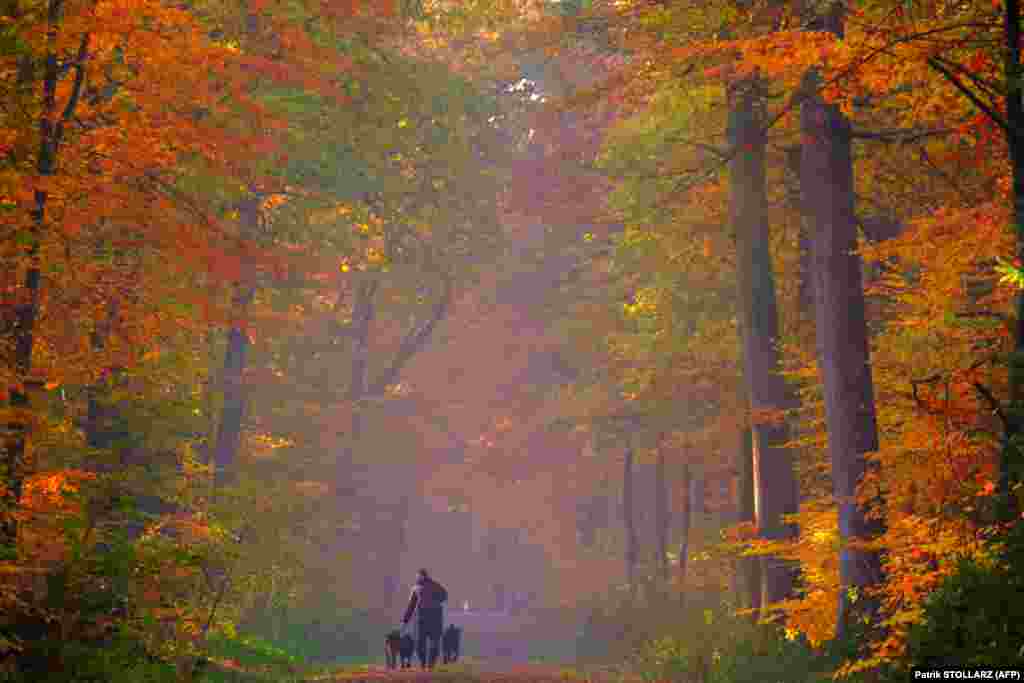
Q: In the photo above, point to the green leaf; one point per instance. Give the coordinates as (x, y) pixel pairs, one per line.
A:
(1010, 274)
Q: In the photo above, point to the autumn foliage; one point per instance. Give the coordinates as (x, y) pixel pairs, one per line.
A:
(935, 197)
(249, 252)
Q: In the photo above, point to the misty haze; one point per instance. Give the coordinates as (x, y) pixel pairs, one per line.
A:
(531, 340)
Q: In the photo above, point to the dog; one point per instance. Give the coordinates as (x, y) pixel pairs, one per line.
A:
(398, 649)
(392, 648)
(450, 642)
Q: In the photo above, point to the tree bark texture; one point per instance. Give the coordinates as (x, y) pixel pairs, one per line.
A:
(775, 485)
(841, 331)
(661, 517)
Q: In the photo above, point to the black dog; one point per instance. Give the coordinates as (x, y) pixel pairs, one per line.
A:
(392, 646)
(450, 643)
(398, 649)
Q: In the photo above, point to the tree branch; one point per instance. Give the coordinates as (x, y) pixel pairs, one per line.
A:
(992, 401)
(975, 100)
(901, 135)
(414, 340)
(76, 89)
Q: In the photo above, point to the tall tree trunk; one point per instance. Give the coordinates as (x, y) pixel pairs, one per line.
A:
(1011, 461)
(750, 567)
(661, 518)
(775, 487)
(627, 520)
(401, 522)
(684, 530)
(21, 320)
(363, 313)
(229, 430)
(697, 490)
(841, 329)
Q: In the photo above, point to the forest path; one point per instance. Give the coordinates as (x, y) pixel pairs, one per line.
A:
(477, 671)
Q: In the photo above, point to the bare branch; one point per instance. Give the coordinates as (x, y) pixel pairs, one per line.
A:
(992, 401)
(970, 95)
(415, 340)
(76, 89)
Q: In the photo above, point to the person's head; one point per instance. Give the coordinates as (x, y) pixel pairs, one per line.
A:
(422, 575)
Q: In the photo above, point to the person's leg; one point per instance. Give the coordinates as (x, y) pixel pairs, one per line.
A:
(433, 651)
(435, 642)
(421, 643)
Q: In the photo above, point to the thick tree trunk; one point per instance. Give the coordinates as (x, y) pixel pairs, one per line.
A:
(684, 530)
(627, 520)
(841, 328)
(775, 487)
(661, 518)
(1011, 462)
(229, 430)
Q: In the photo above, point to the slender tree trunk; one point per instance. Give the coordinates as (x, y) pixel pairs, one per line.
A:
(749, 566)
(697, 489)
(360, 386)
(363, 313)
(841, 328)
(229, 430)
(775, 488)
(627, 519)
(684, 530)
(23, 316)
(661, 517)
(401, 522)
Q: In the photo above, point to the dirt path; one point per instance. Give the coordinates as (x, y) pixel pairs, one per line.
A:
(498, 647)
(479, 671)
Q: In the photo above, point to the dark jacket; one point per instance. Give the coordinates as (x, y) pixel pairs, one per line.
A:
(426, 594)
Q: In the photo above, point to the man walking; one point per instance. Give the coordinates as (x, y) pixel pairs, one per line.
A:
(427, 600)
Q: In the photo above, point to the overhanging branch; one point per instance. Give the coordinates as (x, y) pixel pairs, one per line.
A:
(969, 94)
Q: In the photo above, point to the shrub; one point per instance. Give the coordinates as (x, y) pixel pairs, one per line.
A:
(976, 616)
(117, 659)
